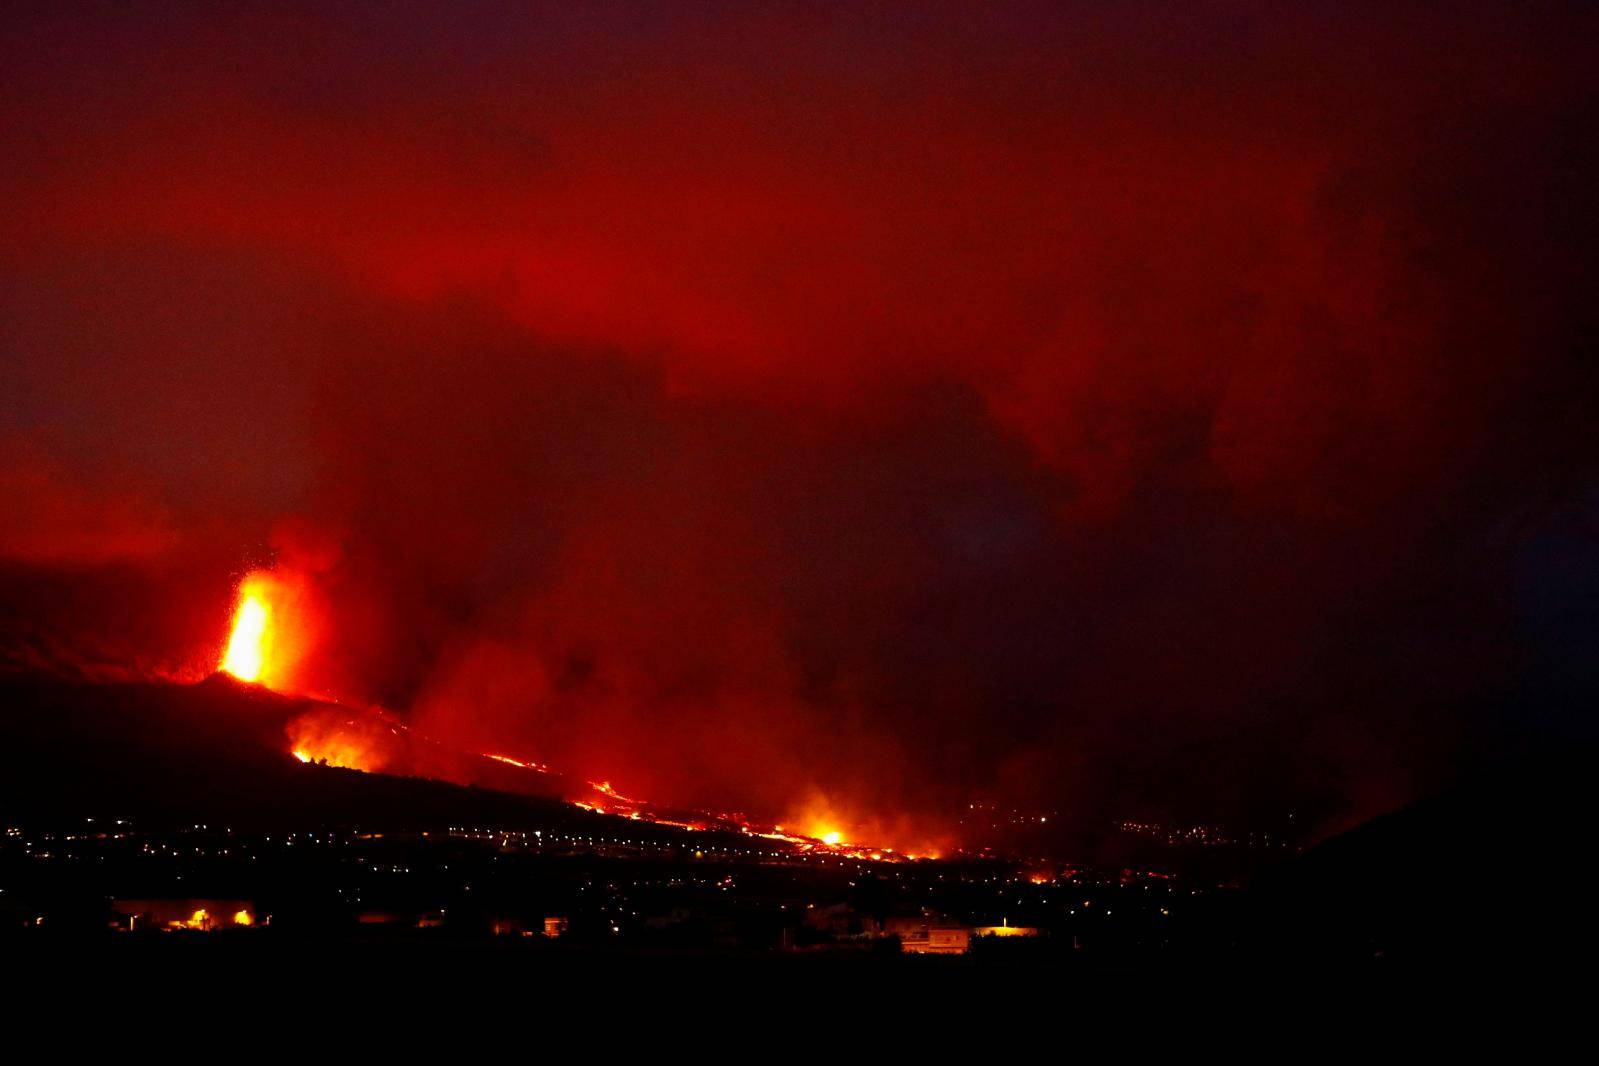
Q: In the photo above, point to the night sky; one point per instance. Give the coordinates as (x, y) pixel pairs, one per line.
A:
(1175, 410)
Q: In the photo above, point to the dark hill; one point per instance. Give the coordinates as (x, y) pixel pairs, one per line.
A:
(212, 752)
(1500, 866)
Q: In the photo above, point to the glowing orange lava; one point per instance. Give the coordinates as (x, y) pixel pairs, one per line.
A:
(248, 646)
(275, 623)
(362, 740)
(275, 619)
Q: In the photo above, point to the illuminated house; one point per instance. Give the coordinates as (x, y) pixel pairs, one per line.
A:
(930, 936)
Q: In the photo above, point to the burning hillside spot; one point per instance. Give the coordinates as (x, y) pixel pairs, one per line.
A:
(338, 738)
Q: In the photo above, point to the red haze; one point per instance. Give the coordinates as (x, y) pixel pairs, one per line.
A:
(1094, 407)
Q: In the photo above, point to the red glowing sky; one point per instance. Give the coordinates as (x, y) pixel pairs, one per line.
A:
(1086, 405)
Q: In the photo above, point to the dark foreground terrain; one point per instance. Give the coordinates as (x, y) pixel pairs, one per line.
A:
(154, 826)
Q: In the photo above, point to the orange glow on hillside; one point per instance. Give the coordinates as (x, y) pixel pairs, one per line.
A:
(822, 822)
(336, 749)
(336, 737)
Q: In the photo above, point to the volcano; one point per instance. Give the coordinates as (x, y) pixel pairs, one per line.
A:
(237, 753)
(211, 751)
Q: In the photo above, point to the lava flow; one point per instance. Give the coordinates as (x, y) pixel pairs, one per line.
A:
(267, 637)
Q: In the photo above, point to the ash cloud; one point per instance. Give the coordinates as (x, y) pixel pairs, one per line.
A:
(1116, 412)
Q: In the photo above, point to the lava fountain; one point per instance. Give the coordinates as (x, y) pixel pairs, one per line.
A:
(248, 644)
(274, 621)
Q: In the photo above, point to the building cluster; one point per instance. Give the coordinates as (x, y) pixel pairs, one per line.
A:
(1205, 836)
(924, 933)
(558, 885)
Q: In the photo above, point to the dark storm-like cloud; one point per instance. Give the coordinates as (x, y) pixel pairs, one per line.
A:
(1099, 409)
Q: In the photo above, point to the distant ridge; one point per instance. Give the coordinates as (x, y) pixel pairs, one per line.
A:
(1500, 866)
